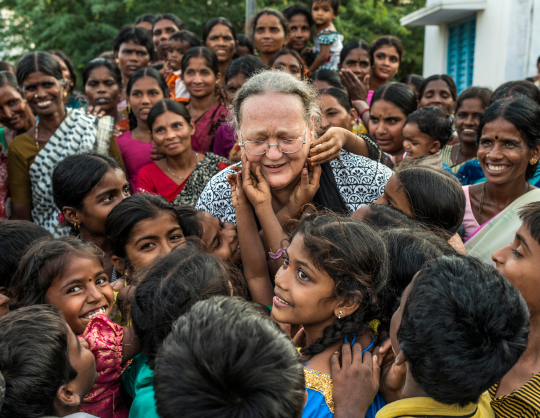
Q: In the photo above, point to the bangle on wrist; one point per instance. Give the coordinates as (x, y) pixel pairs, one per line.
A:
(364, 111)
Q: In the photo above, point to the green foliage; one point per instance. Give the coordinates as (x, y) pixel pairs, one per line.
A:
(83, 29)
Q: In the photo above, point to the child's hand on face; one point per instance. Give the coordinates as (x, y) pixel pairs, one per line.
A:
(255, 186)
(305, 191)
(392, 374)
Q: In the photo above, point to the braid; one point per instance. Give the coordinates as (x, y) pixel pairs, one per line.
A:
(132, 120)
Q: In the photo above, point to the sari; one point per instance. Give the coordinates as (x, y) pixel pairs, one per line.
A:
(500, 230)
(206, 126)
(78, 133)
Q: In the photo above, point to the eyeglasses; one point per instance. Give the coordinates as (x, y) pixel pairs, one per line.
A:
(286, 146)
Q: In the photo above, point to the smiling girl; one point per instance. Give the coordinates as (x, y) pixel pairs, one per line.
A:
(386, 53)
(270, 33)
(68, 273)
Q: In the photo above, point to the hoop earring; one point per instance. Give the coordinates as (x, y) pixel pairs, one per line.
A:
(76, 226)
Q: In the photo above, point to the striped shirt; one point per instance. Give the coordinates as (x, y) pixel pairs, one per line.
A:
(524, 402)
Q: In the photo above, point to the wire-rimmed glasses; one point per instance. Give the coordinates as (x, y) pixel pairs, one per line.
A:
(286, 146)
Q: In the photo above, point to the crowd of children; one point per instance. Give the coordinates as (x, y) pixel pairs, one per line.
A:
(245, 226)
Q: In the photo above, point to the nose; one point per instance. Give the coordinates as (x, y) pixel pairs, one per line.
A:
(498, 256)
(40, 91)
(94, 294)
(280, 278)
(325, 123)
(101, 88)
(274, 153)
(145, 99)
(496, 153)
(380, 128)
(7, 111)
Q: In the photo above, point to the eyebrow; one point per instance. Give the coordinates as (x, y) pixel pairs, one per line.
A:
(155, 236)
(522, 240)
(391, 200)
(305, 265)
(105, 193)
(81, 280)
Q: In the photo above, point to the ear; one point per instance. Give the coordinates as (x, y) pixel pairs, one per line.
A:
(435, 147)
(401, 358)
(536, 152)
(67, 397)
(218, 77)
(71, 215)
(119, 264)
(354, 115)
(348, 306)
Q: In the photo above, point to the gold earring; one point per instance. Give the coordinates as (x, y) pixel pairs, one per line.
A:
(65, 94)
(117, 61)
(128, 108)
(339, 314)
(533, 161)
(76, 226)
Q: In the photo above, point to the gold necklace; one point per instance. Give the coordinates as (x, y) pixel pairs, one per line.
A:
(174, 175)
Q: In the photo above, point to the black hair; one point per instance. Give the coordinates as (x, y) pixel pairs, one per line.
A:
(385, 40)
(267, 11)
(190, 220)
(6, 66)
(350, 46)
(128, 213)
(444, 77)
(288, 51)
(137, 75)
(340, 95)
(75, 176)
(243, 40)
(98, 63)
(168, 289)
(515, 89)
(335, 4)
(250, 366)
(44, 261)
(7, 78)
(108, 55)
(147, 17)
(69, 65)
(169, 16)
(463, 327)
(409, 249)
(34, 354)
(435, 197)
(530, 216)
(137, 35)
(400, 95)
(298, 9)
(186, 36)
(15, 238)
(217, 21)
(201, 51)
(330, 76)
(167, 105)
(247, 66)
(355, 256)
(435, 123)
(474, 92)
(521, 112)
(414, 79)
(382, 217)
(42, 62)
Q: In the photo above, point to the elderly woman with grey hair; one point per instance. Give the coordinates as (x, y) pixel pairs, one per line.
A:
(276, 118)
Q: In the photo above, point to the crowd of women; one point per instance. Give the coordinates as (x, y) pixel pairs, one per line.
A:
(245, 226)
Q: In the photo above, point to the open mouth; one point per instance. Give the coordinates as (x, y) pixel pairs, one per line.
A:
(496, 168)
(469, 131)
(102, 100)
(44, 104)
(274, 168)
(280, 302)
(92, 314)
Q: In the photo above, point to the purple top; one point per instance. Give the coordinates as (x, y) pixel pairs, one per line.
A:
(136, 155)
(224, 140)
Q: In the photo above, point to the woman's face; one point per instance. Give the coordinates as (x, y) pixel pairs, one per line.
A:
(172, 134)
(269, 36)
(385, 62)
(393, 196)
(221, 41)
(131, 57)
(386, 122)
(289, 64)
(233, 85)
(335, 115)
(44, 94)
(81, 292)
(199, 79)
(503, 152)
(145, 25)
(358, 62)
(162, 32)
(300, 32)
(102, 90)
(151, 238)
(144, 94)
(437, 93)
(467, 119)
(272, 118)
(220, 238)
(13, 109)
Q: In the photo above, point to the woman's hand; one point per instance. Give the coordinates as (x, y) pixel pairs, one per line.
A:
(255, 187)
(328, 147)
(356, 381)
(118, 131)
(95, 111)
(357, 89)
(305, 191)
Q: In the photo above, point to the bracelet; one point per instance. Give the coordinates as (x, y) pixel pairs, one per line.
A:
(277, 254)
(364, 111)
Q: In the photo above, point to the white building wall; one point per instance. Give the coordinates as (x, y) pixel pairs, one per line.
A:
(435, 50)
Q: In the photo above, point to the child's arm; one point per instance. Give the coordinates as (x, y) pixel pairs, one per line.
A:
(321, 58)
(251, 248)
(328, 147)
(130, 347)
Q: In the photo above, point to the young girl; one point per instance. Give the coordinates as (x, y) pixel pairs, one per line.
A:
(167, 291)
(145, 88)
(386, 53)
(86, 187)
(182, 175)
(354, 67)
(328, 43)
(391, 105)
(289, 60)
(69, 274)
(179, 44)
(270, 33)
(200, 74)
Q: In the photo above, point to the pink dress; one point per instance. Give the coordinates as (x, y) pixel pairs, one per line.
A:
(136, 155)
(469, 221)
(105, 340)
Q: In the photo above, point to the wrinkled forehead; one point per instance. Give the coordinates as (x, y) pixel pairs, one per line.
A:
(271, 108)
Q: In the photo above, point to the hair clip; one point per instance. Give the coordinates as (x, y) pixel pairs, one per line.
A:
(277, 254)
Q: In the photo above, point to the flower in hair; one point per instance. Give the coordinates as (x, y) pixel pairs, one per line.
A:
(62, 220)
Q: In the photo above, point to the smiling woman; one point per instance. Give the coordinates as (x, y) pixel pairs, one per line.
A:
(219, 35)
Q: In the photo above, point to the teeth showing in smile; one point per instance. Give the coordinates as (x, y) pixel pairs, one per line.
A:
(469, 131)
(282, 301)
(274, 166)
(496, 167)
(92, 314)
(43, 104)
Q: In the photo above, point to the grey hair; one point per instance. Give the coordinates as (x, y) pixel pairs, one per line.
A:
(275, 81)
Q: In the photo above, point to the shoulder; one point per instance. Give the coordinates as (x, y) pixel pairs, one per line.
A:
(216, 197)
(319, 387)
(22, 147)
(327, 37)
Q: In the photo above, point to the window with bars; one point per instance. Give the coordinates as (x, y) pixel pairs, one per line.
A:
(460, 62)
